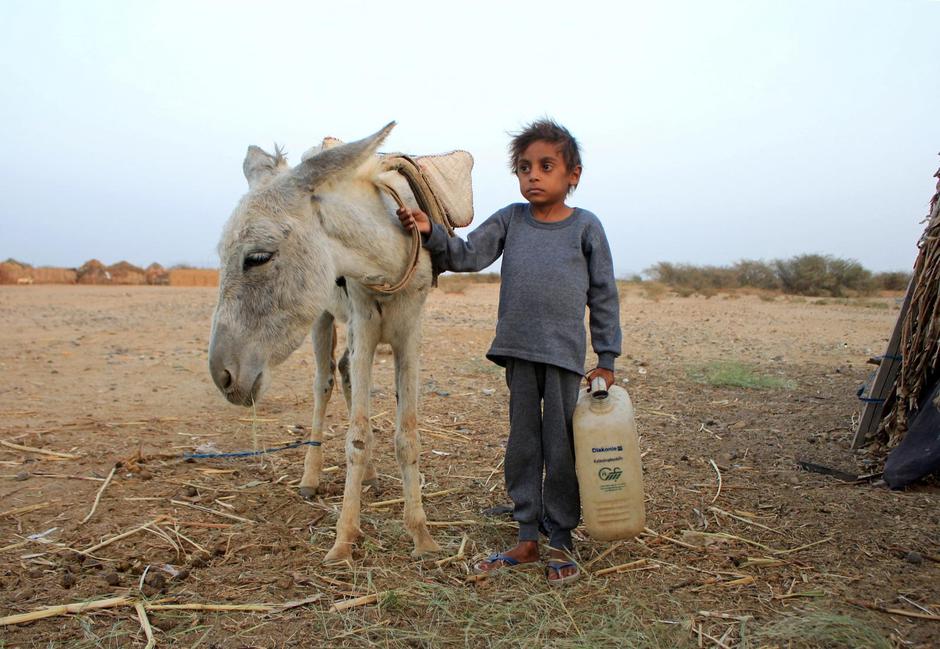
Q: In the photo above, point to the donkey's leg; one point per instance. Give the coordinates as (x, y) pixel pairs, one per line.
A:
(344, 370)
(358, 438)
(324, 341)
(370, 477)
(407, 446)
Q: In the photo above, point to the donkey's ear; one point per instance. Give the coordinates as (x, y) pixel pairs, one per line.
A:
(260, 166)
(340, 161)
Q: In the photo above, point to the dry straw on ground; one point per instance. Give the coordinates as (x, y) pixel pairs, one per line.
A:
(218, 551)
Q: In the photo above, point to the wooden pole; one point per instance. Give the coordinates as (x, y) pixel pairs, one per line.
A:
(885, 377)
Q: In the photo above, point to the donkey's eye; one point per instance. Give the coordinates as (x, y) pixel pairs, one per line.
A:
(253, 259)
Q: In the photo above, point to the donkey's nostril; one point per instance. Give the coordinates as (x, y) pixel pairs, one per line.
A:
(225, 380)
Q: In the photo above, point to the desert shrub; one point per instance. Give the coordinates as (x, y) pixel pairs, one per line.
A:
(804, 275)
(756, 274)
(823, 275)
(654, 290)
(814, 275)
(891, 281)
(694, 278)
(848, 274)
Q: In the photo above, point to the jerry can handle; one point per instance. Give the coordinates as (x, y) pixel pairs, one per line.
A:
(599, 388)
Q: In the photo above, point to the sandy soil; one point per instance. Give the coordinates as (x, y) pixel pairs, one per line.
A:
(119, 374)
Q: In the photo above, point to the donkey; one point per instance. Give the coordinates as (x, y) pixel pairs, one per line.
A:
(297, 255)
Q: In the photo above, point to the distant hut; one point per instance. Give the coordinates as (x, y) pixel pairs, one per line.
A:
(157, 275)
(902, 405)
(52, 275)
(187, 276)
(14, 272)
(127, 273)
(93, 272)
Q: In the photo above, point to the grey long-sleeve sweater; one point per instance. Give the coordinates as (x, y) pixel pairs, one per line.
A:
(550, 273)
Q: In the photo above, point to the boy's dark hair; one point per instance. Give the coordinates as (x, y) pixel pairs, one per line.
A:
(547, 130)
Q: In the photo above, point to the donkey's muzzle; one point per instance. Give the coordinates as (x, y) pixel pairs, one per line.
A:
(238, 376)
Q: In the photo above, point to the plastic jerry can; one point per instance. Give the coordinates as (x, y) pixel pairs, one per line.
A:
(607, 461)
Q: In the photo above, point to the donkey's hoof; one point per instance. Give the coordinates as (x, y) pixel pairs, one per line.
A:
(339, 553)
(376, 486)
(309, 491)
(425, 548)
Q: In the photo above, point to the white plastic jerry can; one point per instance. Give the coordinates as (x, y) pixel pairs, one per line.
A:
(607, 461)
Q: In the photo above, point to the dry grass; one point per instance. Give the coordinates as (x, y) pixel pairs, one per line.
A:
(733, 374)
(822, 630)
(861, 303)
(740, 541)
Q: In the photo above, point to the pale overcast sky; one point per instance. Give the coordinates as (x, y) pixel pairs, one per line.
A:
(711, 131)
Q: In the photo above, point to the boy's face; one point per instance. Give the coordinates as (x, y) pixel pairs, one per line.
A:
(544, 180)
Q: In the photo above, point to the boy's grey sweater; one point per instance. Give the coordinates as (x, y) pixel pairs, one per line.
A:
(550, 272)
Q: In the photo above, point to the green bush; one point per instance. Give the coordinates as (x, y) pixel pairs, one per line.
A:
(756, 274)
(815, 275)
(692, 277)
(891, 281)
(823, 275)
(733, 374)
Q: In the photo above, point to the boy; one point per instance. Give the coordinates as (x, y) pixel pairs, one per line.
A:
(556, 261)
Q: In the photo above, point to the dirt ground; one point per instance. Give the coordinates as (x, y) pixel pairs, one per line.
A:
(738, 534)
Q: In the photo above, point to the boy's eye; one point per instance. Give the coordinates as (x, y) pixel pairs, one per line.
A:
(547, 166)
(524, 168)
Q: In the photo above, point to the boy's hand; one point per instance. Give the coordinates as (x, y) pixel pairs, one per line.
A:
(414, 217)
(600, 372)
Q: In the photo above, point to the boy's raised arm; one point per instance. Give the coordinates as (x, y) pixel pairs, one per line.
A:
(482, 247)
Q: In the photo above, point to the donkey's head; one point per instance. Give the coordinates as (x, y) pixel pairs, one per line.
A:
(277, 268)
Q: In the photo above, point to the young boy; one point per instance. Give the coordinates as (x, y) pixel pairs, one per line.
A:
(556, 261)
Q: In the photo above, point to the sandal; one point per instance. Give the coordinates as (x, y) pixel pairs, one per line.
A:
(505, 559)
(556, 566)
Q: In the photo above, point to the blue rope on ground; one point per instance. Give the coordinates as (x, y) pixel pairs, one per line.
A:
(200, 456)
(890, 357)
(870, 400)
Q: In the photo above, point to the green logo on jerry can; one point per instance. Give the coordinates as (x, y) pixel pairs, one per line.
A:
(610, 473)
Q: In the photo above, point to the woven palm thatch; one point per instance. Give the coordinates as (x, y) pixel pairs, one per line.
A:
(52, 275)
(157, 275)
(93, 272)
(920, 332)
(125, 272)
(11, 271)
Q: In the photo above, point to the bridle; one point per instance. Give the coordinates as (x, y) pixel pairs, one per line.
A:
(415, 249)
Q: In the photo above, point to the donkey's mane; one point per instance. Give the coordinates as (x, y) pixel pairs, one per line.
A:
(280, 156)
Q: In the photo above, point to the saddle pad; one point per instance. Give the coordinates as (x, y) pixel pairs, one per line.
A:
(443, 184)
(449, 177)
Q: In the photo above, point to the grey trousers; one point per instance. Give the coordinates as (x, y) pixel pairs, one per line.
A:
(539, 465)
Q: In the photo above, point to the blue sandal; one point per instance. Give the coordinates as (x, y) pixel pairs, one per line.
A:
(507, 561)
(556, 566)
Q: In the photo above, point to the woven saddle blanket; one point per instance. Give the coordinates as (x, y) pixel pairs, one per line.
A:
(441, 183)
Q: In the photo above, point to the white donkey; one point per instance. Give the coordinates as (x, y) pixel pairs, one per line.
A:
(295, 255)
